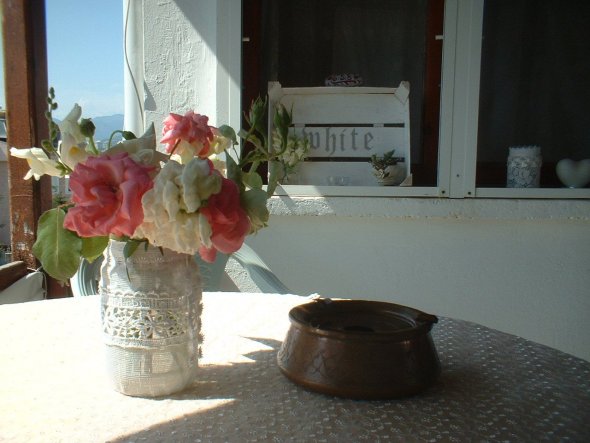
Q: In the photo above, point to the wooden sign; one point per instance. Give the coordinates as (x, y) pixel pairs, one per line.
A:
(351, 141)
(345, 126)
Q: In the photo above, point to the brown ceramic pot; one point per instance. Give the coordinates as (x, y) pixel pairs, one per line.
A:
(360, 349)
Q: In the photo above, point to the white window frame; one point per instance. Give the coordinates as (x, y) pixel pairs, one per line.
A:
(460, 83)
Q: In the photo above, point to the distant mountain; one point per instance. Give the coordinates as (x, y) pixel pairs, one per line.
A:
(106, 125)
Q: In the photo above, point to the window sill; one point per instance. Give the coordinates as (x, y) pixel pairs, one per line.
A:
(291, 203)
(357, 191)
(545, 193)
(420, 191)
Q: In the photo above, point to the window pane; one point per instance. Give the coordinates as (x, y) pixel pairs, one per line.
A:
(534, 84)
(383, 41)
(85, 61)
(86, 67)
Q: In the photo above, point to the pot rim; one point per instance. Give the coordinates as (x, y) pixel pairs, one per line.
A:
(305, 318)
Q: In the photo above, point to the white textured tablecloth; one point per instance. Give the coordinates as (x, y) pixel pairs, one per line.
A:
(493, 387)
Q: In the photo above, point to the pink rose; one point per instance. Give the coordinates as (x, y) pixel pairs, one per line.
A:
(107, 192)
(192, 129)
(229, 222)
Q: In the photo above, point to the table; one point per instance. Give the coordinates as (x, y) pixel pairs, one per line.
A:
(494, 386)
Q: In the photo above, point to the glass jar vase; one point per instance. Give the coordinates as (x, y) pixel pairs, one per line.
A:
(150, 312)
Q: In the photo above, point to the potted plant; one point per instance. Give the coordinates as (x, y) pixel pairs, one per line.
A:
(386, 169)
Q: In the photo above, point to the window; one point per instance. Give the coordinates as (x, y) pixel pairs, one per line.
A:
(96, 84)
(301, 43)
(511, 73)
(98, 89)
(534, 85)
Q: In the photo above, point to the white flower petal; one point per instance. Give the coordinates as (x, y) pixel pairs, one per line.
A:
(205, 231)
(168, 222)
(69, 125)
(70, 152)
(198, 183)
(38, 161)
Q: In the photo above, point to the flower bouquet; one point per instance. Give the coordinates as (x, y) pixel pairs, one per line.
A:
(199, 195)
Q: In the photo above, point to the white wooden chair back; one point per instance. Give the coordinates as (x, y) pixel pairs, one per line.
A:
(345, 126)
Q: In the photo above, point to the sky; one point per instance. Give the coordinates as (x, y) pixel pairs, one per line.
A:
(84, 56)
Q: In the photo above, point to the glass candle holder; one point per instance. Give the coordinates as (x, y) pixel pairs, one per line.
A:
(524, 167)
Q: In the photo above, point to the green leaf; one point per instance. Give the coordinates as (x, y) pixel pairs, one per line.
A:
(282, 120)
(273, 177)
(242, 133)
(255, 141)
(128, 135)
(62, 169)
(57, 249)
(254, 203)
(46, 144)
(256, 114)
(130, 247)
(250, 157)
(93, 247)
(233, 171)
(252, 180)
(228, 132)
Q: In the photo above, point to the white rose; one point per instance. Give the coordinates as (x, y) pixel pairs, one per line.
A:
(142, 149)
(171, 217)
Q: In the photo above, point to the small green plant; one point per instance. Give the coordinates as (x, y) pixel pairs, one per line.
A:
(380, 163)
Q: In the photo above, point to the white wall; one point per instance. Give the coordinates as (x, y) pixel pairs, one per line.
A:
(189, 60)
(521, 266)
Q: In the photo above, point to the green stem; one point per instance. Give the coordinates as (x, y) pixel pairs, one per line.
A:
(254, 166)
(68, 169)
(174, 148)
(93, 148)
(243, 149)
(265, 143)
(112, 135)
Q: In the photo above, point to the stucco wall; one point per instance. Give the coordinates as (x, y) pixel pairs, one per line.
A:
(519, 266)
(189, 59)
